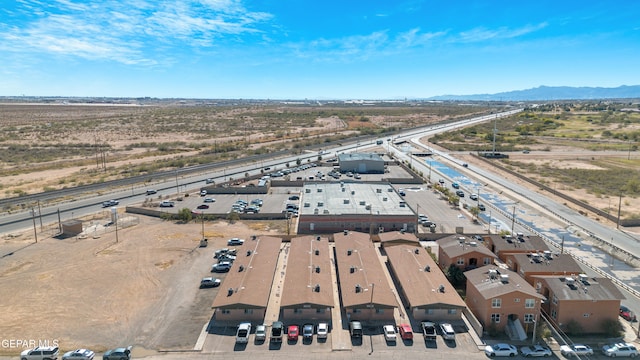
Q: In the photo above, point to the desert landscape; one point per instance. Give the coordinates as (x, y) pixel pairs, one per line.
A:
(101, 290)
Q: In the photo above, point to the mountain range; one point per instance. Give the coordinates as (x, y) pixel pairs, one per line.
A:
(545, 93)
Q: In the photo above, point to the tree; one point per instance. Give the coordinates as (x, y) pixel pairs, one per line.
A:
(185, 215)
(298, 162)
(475, 211)
(455, 275)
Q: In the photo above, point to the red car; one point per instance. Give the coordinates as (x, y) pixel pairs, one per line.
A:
(627, 314)
(406, 333)
(292, 332)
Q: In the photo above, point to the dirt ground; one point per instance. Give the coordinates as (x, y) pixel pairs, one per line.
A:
(98, 293)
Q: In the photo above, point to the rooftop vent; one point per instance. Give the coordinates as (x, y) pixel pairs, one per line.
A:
(441, 289)
(461, 239)
(346, 232)
(353, 192)
(352, 269)
(307, 190)
(254, 237)
(316, 288)
(307, 205)
(349, 251)
(504, 278)
(473, 244)
(230, 292)
(319, 189)
(241, 268)
(317, 252)
(570, 281)
(385, 199)
(344, 190)
(379, 191)
(318, 269)
(248, 252)
(390, 190)
(493, 274)
(584, 279)
(427, 268)
(547, 254)
(417, 251)
(318, 238)
(358, 288)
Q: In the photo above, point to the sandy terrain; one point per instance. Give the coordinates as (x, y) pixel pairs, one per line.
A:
(97, 293)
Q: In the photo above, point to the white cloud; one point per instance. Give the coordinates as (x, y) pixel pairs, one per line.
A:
(482, 34)
(124, 31)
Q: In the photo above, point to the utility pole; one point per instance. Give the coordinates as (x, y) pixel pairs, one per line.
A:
(33, 216)
(619, 209)
(513, 220)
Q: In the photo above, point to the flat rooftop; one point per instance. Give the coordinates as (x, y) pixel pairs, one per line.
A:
(352, 198)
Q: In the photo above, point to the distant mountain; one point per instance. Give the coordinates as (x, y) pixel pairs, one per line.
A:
(542, 93)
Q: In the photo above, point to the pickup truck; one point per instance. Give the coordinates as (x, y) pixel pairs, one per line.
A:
(277, 329)
(429, 330)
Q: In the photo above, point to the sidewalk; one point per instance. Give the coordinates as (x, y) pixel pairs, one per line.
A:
(340, 337)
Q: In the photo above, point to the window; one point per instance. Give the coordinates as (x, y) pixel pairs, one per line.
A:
(495, 318)
(248, 311)
(452, 311)
(297, 311)
(460, 261)
(428, 311)
(320, 311)
(357, 311)
(528, 318)
(516, 300)
(226, 311)
(585, 315)
(486, 261)
(496, 303)
(379, 311)
(554, 300)
(554, 313)
(529, 303)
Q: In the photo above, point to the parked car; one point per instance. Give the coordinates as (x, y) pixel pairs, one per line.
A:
(242, 334)
(307, 332)
(401, 192)
(261, 332)
(428, 330)
(406, 333)
(500, 349)
(294, 197)
(277, 328)
(447, 331)
(535, 351)
(627, 314)
(110, 203)
(120, 353)
(209, 181)
(209, 282)
(481, 207)
(80, 354)
(441, 181)
(203, 192)
(209, 200)
(460, 193)
(620, 350)
(293, 331)
(455, 185)
(40, 353)
(355, 328)
(389, 333)
(323, 330)
(203, 206)
(576, 350)
(223, 266)
(235, 241)
(473, 196)
(151, 191)
(166, 204)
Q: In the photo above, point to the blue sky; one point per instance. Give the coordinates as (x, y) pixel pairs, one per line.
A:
(296, 49)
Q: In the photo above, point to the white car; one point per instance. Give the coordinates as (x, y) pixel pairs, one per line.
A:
(620, 350)
(235, 241)
(389, 333)
(242, 335)
(322, 330)
(80, 354)
(576, 350)
(500, 349)
(535, 351)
